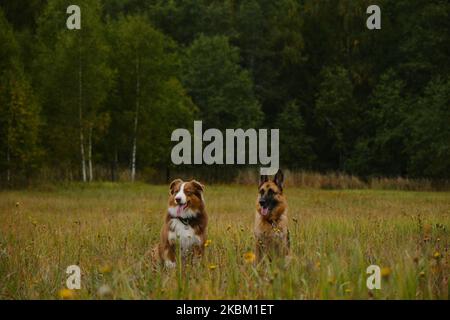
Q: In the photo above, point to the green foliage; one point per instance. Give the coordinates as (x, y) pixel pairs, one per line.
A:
(383, 151)
(337, 111)
(74, 79)
(429, 144)
(185, 20)
(147, 87)
(221, 89)
(295, 146)
(372, 103)
(19, 113)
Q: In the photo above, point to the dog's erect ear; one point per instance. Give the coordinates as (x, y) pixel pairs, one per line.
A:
(173, 184)
(262, 179)
(198, 185)
(279, 179)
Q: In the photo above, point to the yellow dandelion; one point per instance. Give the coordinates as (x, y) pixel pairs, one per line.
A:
(66, 294)
(207, 243)
(318, 264)
(386, 272)
(249, 257)
(212, 267)
(106, 268)
(348, 290)
(436, 255)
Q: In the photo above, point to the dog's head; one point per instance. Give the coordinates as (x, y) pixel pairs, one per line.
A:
(270, 193)
(185, 198)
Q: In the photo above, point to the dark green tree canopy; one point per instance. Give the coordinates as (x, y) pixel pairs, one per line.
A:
(107, 97)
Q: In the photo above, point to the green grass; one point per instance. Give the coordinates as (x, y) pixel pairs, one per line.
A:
(109, 229)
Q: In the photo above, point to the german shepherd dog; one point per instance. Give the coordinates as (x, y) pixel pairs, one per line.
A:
(271, 220)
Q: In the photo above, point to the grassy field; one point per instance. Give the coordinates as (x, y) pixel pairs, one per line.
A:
(109, 229)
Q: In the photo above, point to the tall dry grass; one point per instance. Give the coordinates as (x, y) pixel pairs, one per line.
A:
(108, 229)
(336, 180)
(243, 176)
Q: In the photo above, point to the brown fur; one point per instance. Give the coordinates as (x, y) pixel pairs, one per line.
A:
(271, 231)
(193, 190)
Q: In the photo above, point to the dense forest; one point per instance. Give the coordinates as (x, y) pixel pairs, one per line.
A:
(88, 104)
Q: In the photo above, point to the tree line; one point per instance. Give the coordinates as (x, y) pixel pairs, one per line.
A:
(345, 98)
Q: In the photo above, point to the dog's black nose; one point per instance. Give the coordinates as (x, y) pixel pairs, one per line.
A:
(262, 202)
(178, 200)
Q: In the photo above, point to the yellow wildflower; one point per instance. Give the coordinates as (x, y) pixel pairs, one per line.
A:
(385, 272)
(249, 257)
(106, 268)
(66, 294)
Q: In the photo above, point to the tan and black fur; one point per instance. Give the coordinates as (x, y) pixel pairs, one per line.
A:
(271, 220)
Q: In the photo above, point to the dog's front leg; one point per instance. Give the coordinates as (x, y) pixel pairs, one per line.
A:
(168, 256)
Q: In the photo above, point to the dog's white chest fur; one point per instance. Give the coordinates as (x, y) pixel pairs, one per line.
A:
(183, 233)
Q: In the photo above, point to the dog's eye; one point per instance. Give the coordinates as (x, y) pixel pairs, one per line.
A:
(261, 192)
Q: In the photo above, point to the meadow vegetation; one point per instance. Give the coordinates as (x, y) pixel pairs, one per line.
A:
(109, 230)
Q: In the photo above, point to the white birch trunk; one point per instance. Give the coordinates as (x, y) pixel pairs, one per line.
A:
(136, 115)
(80, 116)
(91, 175)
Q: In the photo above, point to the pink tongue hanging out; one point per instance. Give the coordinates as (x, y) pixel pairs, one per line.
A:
(180, 209)
(264, 211)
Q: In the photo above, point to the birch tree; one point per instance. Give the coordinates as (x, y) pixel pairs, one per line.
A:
(75, 79)
(142, 65)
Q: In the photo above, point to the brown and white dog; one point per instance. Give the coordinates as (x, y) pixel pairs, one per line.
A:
(185, 222)
(271, 220)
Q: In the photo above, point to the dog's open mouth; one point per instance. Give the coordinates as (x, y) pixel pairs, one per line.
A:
(264, 211)
(181, 208)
